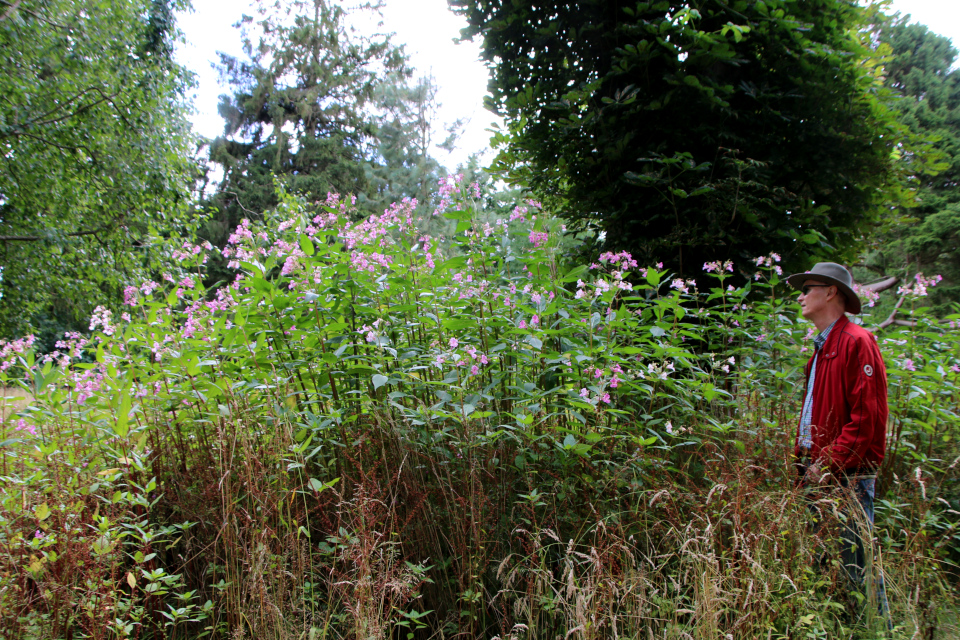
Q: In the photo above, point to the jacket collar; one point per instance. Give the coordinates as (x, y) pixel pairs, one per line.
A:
(838, 328)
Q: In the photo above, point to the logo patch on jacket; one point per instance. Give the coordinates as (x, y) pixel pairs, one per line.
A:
(867, 369)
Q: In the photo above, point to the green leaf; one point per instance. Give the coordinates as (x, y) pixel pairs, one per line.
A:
(306, 244)
(379, 380)
(42, 512)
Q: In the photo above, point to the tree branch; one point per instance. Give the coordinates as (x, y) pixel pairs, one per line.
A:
(39, 122)
(38, 238)
(881, 285)
(13, 7)
(62, 148)
(9, 12)
(893, 316)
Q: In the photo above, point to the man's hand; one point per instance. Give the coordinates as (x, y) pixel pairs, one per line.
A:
(814, 474)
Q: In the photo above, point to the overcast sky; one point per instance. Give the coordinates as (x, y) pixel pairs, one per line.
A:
(427, 29)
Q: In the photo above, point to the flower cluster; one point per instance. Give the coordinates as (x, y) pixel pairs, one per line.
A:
(375, 230)
(10, 350)
(192, 250)
(538, 238)
(448, 188)
(473, 357)
(603, 380)
(919, 285)
(683, 286)
(623, 259)
(868, 295)
(103, 318)
(25, 428)
(719, 267)
(519, 213)
(660, 371)
(621, 263)
(769, 261)
(86, 382)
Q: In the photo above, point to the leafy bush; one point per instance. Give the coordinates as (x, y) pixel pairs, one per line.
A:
(374, 433)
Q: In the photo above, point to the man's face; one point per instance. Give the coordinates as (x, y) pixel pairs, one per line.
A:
(814, 301)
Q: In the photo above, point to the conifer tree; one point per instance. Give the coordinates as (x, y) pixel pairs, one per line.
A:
(301, 108)
(927, 239)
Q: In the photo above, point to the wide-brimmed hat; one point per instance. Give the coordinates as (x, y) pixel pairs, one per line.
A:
(831, 273)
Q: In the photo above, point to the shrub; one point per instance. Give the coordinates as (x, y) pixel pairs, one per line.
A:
(372, 432)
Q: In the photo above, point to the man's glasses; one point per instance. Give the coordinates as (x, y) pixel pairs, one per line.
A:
(805, 289)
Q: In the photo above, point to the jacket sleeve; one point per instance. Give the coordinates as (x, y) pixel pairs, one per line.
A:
(865, 390)
(796, 433)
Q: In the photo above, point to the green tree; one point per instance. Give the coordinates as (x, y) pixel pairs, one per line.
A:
(693, 131)
(403, 164)
(95, 152)
(928, 239)
(300, 110)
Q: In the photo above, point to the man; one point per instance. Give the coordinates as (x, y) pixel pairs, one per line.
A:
(841, 436)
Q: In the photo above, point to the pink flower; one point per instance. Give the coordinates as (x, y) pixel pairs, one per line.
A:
(584, 393)
(624, 259)
(454, 343)
(23, 426)
(538, 238)
(955, 368)
(130, 296)
(474, 370)
(718, 266)
(909, 365)
(606, 398)
(523, 324)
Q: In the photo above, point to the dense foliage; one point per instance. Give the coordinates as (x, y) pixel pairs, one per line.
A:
(691, 131)
(925, 238)
(372, 433)
(95, 154)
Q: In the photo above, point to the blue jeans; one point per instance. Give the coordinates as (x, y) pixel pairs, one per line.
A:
(856, 518)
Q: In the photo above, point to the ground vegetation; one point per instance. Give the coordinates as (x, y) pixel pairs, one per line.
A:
(370, 434)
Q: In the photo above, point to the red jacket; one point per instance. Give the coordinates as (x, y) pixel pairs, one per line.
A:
(849, 424)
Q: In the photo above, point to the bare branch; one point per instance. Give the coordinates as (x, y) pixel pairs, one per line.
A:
(905, 323)
(78, 234)
(62, 148)
(881, 285)
(9, 12)
(36, 15)
(893, 316)
(39, 122)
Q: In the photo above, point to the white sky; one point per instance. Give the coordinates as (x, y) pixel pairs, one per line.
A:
(427, 28)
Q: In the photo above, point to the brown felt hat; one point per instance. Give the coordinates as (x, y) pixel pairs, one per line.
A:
(831, 273)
